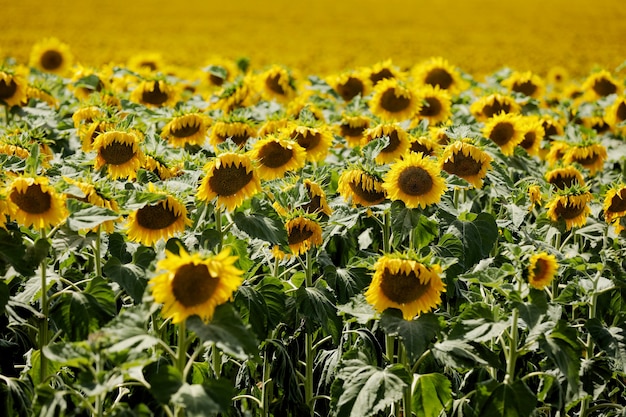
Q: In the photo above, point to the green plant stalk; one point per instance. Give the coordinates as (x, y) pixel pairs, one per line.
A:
(43, 325)
(386, 231)
(308, 344)
(407, 394)
(181, 353)
(265, 389)
(584, 405)
(98, 244)
(216, 360)
(99, 405)
(218, 227)
(512, 351)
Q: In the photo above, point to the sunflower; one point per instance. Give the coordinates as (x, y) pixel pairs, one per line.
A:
(352, 127)
(350, 84)
(555, 152)
(119, 151)
(505, 130)
(277, 83)
(596, 123)
(317, 199)
(146, 62)
(302, 109)
(359, 187)
(383, 70)
(405, 284)
(492, 105)
(416, 180)
(303, 233)
(534, 195)
(96, 197)
(51, 55)
(614, 206)
(615, 115)
(161, 220)
(435, 104)
(277, 155)
(316, 139)
(424, 144)
(526, 83)
(394, 101)
(32, 202)
(600, 84)
(398, 141)
(589, 154)
(438, 72)
(219, 70)
(557, 77)
(273, 124)
(230, 178)
(39, 93)
(154, 93)
(237, 129)
(552, 127)
(194, 284)
(570, 205)
(541, 270)
(87, 81)
(439, 134)
(234, 95)
(88, 133)
(565, 177)
(533, 134)
(157, 165)
(465, 160)
(87, 115)
(189, 128)
(12, 88)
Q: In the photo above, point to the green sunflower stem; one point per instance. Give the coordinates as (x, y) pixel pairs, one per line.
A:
(387, 231)
(43, 326)
(218, 227)
(216, 360)
(407, 397)
(98, 244)
(308, 343)
(512, 352)
(584, 405)
(181, 353)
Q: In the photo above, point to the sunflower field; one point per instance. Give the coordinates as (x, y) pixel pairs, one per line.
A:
(321, 225)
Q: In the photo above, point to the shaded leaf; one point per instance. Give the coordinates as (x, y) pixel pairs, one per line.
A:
(416, 334)
(563, 348)
(164, 380)
(89, 217)
(69, 354)
(261, 227)
(318, 304)
(132, 278)
(431, 394)
(494, 399)
(478, 233)
(612, 340)
(199, 401)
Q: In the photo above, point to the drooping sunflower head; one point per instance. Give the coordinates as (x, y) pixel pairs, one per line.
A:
(94, 194)
(393, 100)
(276, 155)
(615, 115)
(352, 127)
(155, 93)
(316, 140)
(525, 83)
(398, 141)
(350, 84)
(120, 152)
(219, 70)
(193, 284)
(554, 153)
(37, 91)
(465, 160)
(189, 128)
(591, 155)
(438, 72)
(160, 220)
(303, 233)
(161, 167)
(273, 124)
(505, 130)
(424, 145)
(542, 270)
(277, 83)
(234, 128)
(435, 104)
(416, 180)
(359, 187)
(304, 109)
(87, 115)
(534, 195)
(596, 122)
(614, 206)
(147, 62)
(383, 70)
(565, 177)
(86, 81)
(600, 84)
(571, 206)
(33, 202)
(403, 283)
(317, 199)
(51, 55)
(234, 95)
(553, 127)
(492, 105)
(13, 88)
(230, 178)
(533, 134)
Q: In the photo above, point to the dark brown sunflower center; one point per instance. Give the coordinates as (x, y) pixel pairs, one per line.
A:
(372, 197)
(117, 153)
(529, 140)
(350, 89)
(381, 75)
(193, 285)
(490, 110)
(569, 211)
(314, 205)
(393, 103)
(33, 201)
(540, 269)
(152, 66)
(216, 80)
(347, 130)
(273, 155)
(621, 112)
(463, 165)
(418, 147)
(550, 130)
(229, 179)
(155, 97)
(618, 202)
(308, 140)
(156, 217)
(415, 181)
(273, 83)
(526, 87)
(431, 108)
(299, 234)
(604, 87)
(588, 160)
(402, 288)
(7, 90)
(563, 181)
(51, 60)
(439, 77)
(502, 133)
(186, 130)
(600, 126)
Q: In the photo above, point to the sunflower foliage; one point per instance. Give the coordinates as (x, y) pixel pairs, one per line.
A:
(158, 273)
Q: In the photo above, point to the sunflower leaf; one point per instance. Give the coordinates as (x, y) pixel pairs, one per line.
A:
(13, 252)
(262, 227)
(131, 277)
(202, 400)
(318, 305)
(416, 334)
(478, 233)
(431, 393)
(88, 217)
(494, 399)
(164, 380)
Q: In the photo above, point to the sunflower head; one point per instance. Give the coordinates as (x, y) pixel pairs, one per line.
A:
(147, 62)
(188, 128)
(615, 115)
(492, 105)
(276, 155)
(570, 205)
(352, 127)
(360, 187)
(219, 70)
(33, 202)
(565, 177)
(234, 95)
(614, 206)
(424, 145)
(533, 134)
(155, 93)
(435, 104)
(315, 139)
(402, 282)
(383, 70)
(525, 83)
(194, 284)
(393, 100)
(13, 88)
(350, 84)
(119, 152)
(541, 270)
(438, 72)
(94, 194)
(589, 154)
(277, 83)
(600, 84)
(303, 233)
(51, 55)
(235, 127)
(465, 160)
(317, 199)
(505, 130)
(398, 141)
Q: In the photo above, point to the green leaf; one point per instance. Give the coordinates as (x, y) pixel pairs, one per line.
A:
(263, 305)
(478, 233)
(431, 394)
(346, 282)
(425, 232)
(4, 296)
(164, 380)
(403, 220)
(118, 248)
(13, 252)
(89, 217)
(612, 340)
(362, 390)
(102, 297)
(69, 354)
(494, 399)
(91, 81)
(262, 227)
(132, 278)
(479, 322)
(416, 334)
(202, 401)
(458, 354)
(227, 331)
(318, 305)
(563, 348)
(72, 314)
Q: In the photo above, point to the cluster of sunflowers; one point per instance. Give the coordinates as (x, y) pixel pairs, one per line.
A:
(285, 171)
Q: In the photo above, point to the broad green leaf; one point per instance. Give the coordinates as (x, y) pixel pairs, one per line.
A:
(478, 233)
(403, 220)
(17, 396)
(118, 248)
(38, 251)
(562, 346)
(102, 297)
(612, 340)
(69, 354)
(91, 82)
(431, 394)
(425, 232)
(164, 380)
(457, 353)
(143, 256)
(318, 305)
(479, 322)
(13, 253)
(362, 390)
(130, 277)
(346, 282)
(207, 400)
(494, 399)
(595, 375)
(261, 227)
(227, 331)
(262, 305)
(358, 308)
(416, 334)
(73, 314)
(90, 217)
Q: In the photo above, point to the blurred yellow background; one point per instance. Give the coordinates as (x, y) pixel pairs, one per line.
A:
(324, 36)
